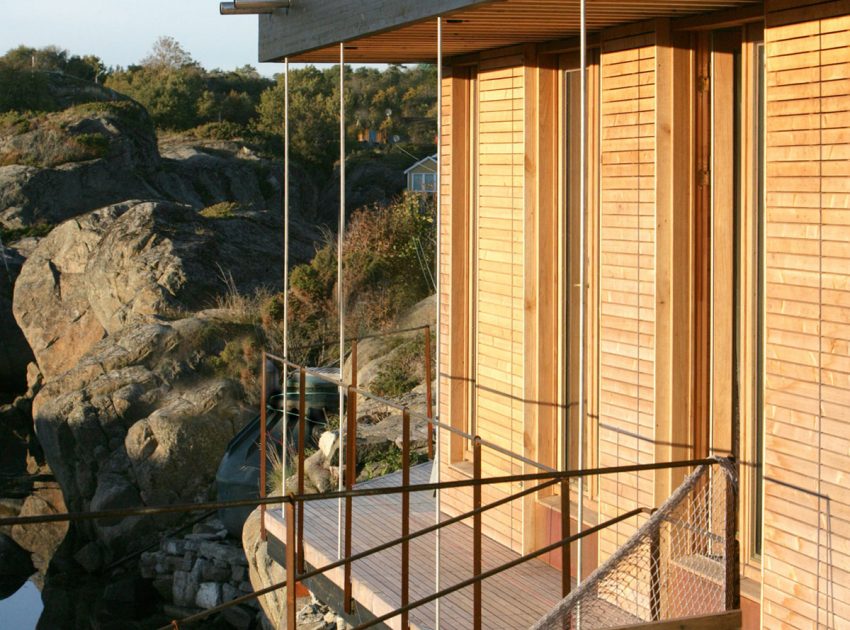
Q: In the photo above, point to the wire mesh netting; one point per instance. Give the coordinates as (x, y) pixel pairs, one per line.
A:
(674, 566)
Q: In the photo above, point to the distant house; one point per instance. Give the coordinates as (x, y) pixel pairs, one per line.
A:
(422, 176)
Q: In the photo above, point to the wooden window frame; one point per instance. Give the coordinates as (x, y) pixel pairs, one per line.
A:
(728, 350)
(463, 91)
(553, 359)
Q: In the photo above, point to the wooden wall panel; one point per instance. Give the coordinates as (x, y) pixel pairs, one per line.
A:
(807, 392)
(496, 289)
(627, 275)
(499, 257)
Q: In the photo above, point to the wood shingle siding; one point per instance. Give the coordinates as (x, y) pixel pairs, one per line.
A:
(807, 393)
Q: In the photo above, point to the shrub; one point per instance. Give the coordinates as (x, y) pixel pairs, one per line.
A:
(388, 257)
(402, 371)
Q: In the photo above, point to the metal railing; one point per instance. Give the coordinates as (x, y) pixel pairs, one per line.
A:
(293, 505)
(349, 439)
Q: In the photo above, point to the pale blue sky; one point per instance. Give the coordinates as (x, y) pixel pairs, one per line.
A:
(121, 32)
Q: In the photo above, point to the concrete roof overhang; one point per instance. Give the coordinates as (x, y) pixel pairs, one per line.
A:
(405, 31)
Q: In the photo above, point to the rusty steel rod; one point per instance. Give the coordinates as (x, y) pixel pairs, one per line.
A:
(429, 400)
(655, 576)
(476, 534)
(486, 481)
(405, 517)
(377, 549)
(302, 428)
(368, 552)
(353, 363)
(291, 569)
(732, 582)
(566, 550)
(362, 492)
(503, 567)
(350, 477)
(263, 446)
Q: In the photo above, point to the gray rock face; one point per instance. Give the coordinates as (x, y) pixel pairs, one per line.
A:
(140, 420)
(71, 162)
(129, 262)
(51, 299)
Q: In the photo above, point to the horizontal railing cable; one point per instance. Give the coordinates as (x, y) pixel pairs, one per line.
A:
(360, 492)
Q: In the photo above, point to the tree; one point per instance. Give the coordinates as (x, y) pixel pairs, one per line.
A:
(313, 110)
(168, 54)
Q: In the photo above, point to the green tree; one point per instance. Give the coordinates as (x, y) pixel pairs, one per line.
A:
(168, 84)
(313, 110)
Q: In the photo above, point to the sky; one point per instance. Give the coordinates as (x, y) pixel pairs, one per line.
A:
(121, 32)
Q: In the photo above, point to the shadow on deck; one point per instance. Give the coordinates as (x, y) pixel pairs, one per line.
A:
(513, 599)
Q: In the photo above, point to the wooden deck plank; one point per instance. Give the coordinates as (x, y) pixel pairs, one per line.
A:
(516, 598)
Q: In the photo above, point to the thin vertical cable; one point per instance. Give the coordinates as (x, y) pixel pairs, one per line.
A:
(582, 264)
(339, 292)
(286, 208)
(438, 335)
(285, 259)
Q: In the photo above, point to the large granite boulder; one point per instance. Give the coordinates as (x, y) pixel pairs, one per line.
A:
(143, 418)
(135, 261)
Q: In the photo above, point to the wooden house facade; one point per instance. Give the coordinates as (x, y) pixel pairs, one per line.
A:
(717, 293)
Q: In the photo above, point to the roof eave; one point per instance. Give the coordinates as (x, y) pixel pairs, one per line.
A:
(314, 24)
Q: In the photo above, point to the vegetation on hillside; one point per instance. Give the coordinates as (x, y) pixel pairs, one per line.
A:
(388, 255)
(180, 95)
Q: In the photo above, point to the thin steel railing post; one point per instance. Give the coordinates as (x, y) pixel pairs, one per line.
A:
(566, 556)
(439, 290)
(263, 420)
(286, 208)
(350, 477)
(284, 454)
(405, 515)
(476, 534)
(289, 510)
(339, 276)
(582, 326)
(429, 399)
(302, 429)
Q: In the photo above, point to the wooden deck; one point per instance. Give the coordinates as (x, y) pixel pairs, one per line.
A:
(513, 599)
